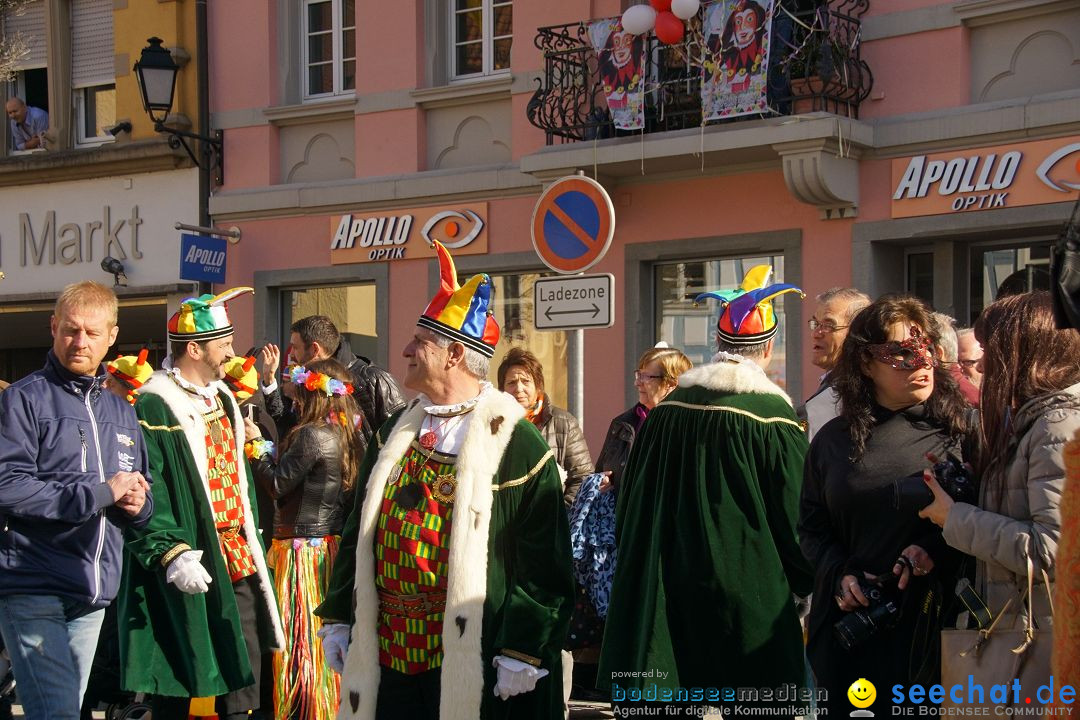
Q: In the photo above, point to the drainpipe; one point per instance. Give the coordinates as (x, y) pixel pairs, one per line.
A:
(202, 57)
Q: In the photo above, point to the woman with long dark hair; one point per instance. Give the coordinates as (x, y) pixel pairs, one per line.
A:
(310, 481)
(897, 404)
(1030, 407)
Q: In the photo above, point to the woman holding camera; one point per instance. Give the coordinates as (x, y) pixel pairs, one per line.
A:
(877, 567)
(1030, 408)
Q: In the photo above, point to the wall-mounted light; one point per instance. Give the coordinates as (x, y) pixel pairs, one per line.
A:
(115, 268)
(156, 73)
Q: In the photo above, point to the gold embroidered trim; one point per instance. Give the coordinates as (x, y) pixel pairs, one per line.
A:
(515, 655)
(737, 411)
(173, 553)
(166, 428)
(528, 476)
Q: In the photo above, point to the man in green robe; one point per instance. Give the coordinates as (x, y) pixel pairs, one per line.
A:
(708, 557)
(451, 593)
(197, 606)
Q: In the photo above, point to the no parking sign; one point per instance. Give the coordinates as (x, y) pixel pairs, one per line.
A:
(572, 224)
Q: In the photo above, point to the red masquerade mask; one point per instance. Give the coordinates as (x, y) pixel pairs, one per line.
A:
(911, 354)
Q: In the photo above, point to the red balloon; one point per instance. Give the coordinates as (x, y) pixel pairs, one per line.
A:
(661, 5)
(669, 29)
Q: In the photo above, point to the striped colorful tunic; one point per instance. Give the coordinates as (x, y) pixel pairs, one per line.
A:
(411, 553)
(223, 475)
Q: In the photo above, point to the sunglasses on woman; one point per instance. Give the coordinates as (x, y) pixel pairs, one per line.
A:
(912, 354)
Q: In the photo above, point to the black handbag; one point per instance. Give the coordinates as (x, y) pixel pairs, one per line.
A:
(1065, 273)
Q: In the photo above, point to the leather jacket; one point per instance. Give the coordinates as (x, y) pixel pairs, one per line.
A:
(564, 436)
(306, 484)
(617, 443)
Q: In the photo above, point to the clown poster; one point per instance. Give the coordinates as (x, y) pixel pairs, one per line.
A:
(620, 57)
(735, 74)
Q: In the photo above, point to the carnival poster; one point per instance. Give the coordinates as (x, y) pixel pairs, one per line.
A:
(735, 73)
(620, 57)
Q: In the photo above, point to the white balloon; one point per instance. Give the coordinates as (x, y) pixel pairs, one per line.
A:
(685, 9)
(639, 19)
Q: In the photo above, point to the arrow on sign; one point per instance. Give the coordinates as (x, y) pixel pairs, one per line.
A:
(549, 312)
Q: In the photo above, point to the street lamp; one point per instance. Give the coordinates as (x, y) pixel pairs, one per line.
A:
(156, 74)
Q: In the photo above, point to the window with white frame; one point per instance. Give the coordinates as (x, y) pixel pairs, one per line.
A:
(93, 81)
(329, 47)
(482, 32)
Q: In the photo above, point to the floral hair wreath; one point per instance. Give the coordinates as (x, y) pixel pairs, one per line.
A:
(316, 381)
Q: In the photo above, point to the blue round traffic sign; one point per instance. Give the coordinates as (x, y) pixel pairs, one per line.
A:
(573, 224)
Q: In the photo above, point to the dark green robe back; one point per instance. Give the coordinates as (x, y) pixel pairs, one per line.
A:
(707, 551)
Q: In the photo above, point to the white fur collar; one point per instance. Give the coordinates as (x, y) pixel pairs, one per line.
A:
(732, 377)
(490, 426)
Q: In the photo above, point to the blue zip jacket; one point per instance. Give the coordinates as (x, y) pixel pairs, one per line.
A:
(62, 436)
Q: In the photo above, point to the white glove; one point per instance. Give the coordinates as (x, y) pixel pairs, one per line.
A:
(335, 644)
(515, 677)
(187, 573)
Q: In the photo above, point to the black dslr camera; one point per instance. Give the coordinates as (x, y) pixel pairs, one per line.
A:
(883, 611)
(910, 494)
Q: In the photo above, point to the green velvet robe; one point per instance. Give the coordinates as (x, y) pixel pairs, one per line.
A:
(707, 551)
(172, 643)
(510, 583)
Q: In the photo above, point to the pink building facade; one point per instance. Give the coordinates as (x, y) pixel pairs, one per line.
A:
(338, 107)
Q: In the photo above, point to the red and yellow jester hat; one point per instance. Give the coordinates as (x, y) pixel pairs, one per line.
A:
(462, 313)
(131, 371)
(241, 376)
(747, 316)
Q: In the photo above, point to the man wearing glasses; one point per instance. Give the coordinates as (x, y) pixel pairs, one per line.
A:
(828, 327)
(969, 353)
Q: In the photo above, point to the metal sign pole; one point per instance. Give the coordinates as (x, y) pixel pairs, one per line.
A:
(575, 350)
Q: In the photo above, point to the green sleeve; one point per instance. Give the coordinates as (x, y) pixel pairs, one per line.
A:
(781, 489)
(540, 598)
(171, 527)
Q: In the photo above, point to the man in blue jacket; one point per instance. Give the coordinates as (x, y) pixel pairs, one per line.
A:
(72, 474)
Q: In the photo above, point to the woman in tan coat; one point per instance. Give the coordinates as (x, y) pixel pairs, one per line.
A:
(1030, 409)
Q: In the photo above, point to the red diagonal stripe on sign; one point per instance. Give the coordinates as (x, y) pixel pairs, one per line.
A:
(572, 226)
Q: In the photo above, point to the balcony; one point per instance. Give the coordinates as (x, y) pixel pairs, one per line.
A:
(815, 67)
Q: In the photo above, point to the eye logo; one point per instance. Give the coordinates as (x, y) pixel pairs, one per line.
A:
(1053, 159)
(862, 694)
(446, 227)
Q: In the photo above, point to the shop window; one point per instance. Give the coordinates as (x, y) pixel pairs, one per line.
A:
(920, 275)
(329, 47)
(1007, 269)
(514, 313)
(482, 34)
(692, 328)
(352, 308)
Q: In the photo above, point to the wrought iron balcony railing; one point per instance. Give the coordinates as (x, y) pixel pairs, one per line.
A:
(815, 65)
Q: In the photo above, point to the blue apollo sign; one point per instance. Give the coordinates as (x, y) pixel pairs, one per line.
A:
(202, 258)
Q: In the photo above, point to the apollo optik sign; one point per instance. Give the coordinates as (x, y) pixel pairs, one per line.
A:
(1033, 173)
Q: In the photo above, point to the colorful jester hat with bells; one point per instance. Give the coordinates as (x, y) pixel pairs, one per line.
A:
(204, 318)
(131, 371)
(747, 316)
(241, 376)
(462, 313)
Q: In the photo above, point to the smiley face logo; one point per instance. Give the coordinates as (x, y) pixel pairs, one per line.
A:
(862, 693)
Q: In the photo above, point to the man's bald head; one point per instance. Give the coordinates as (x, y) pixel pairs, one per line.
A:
(15, 109)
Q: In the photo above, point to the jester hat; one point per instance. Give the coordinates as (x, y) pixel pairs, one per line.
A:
(747, 316)
(462, 313)
(131, 370)
(241, 376)
(204, 318)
